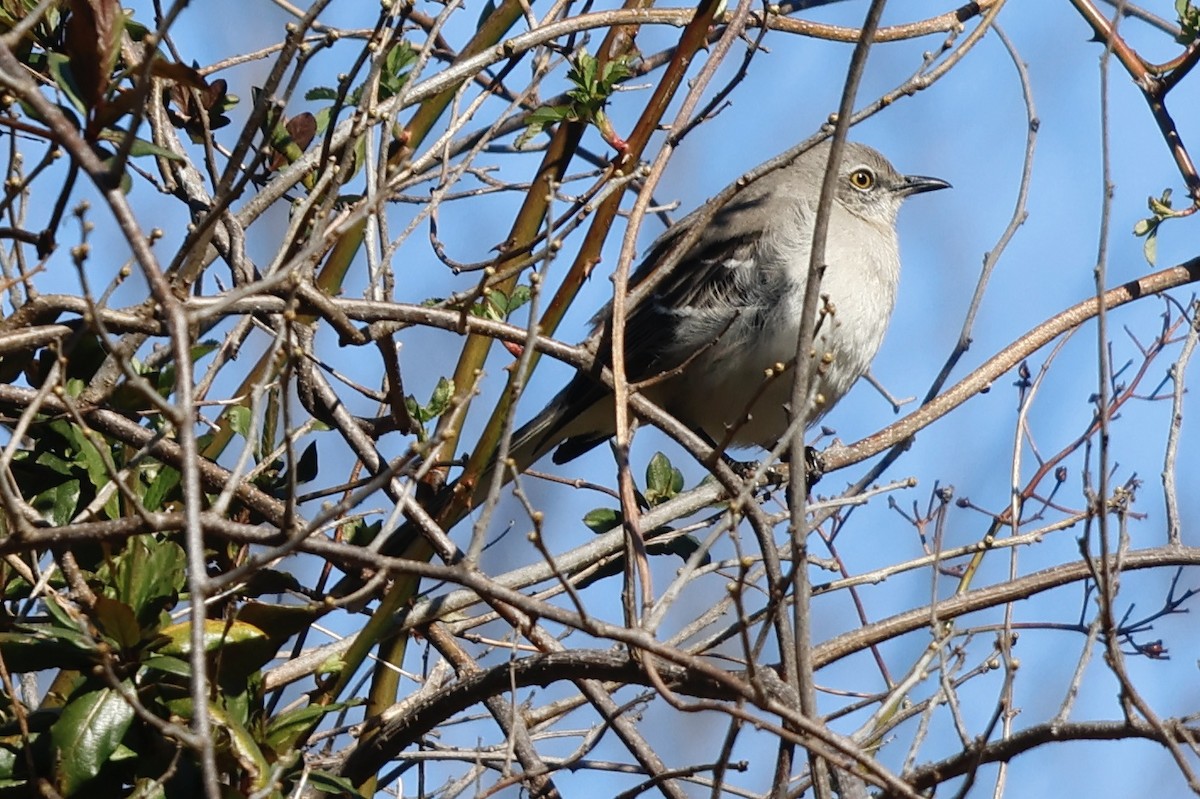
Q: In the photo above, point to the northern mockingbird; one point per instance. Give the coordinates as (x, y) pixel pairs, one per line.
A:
(730, 311)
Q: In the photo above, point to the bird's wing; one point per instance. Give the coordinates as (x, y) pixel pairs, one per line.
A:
(728, 271)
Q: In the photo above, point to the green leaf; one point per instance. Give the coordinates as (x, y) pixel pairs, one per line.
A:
(601, 520)
(1150, 247)
(663, 480)
(88, 732)
(239, 419)
(55, 463)
(287, 729)
(323, 116)
(499, 306)
(149, 575)
(521, 294)
(443, 392)
(318, 93)
(592, 85)
(89, 457)
(538, 120)
(58, 503)
(241, 647)
(8, 767)
(1161, 206)
(28, 649)
(61, 617)
(333, 785)
(140, 147)
(243, 747)
(395, 69)
(1161, 211)
(414, 409)
(1189, 21)
(163, 484)
(331, 665)
(684, 546)
(60, 71)
(681, 545)
(217, 635)
(279, 621)
(177, 667)
(117, 622)
(359, 534)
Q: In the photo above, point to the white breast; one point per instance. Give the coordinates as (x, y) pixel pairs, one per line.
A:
(726, 390)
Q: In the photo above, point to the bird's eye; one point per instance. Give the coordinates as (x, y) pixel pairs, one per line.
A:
(862, 179)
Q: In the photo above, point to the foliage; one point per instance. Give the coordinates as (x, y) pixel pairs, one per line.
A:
(593, 82)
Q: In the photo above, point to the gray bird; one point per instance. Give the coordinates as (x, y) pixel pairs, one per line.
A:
(730, 311)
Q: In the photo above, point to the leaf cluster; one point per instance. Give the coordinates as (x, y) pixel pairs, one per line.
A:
(592, 83)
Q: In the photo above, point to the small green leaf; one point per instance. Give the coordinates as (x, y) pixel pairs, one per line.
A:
(1161, 211)
(414, 408)
(684, 546)
(8, 767)
(538, 120)
(162, 486)
(395, 69)
(1189, 21)
(1150, 247)
(239, 419)
(663, 481)
(321, 93)
(62, 618)
(521, 294)
(332, 665)
(89, 457)
(358, 533)
(443, 392)
(323, 115)
(601, 520)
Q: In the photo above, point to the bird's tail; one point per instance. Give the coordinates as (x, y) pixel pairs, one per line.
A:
(528, 445)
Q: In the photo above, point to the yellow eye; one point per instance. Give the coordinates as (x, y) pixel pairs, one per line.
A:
(862, 179)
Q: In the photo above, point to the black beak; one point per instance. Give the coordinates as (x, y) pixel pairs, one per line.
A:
(919, 184)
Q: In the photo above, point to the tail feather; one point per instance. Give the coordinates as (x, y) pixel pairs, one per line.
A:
(564, 421)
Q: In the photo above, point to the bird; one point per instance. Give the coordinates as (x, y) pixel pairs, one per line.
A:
(715, 330)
